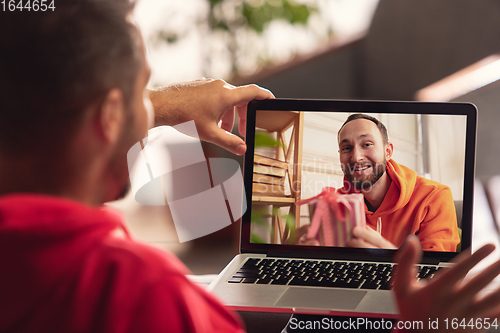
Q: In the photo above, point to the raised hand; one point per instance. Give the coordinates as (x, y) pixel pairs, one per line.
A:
(211, 104)
(446, 298)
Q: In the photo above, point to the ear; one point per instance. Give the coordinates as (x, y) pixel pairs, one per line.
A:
(110, 116)
(389, 150)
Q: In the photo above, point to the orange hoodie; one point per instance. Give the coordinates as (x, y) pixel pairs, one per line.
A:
(415, 205)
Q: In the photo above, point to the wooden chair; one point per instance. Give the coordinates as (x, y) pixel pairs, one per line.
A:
(290, 152)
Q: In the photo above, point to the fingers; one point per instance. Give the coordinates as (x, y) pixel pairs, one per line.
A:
(367, 234)
(226, 140)
(208, 102)
(482, 279)
(297, 234)
(298, 237)
(372, 237)
(312, 242)
(470, 289)
(228, 120)
(406, 258)
(358, 242)
(242, 119)
(238, 98)
(487, 307)
(464, 262)
(244, 94)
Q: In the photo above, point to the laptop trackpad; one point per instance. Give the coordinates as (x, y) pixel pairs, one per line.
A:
(320, 298)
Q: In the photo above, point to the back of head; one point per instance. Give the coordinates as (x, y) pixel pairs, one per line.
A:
(55, 64)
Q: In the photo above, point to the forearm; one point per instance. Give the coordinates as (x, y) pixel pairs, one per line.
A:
(166, 112)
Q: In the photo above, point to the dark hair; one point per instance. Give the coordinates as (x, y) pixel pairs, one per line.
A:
(381, 127)
(55, 64)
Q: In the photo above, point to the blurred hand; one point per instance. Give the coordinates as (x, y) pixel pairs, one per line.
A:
(369, 238)
(211, 104)
(298, 237)
(446, 296)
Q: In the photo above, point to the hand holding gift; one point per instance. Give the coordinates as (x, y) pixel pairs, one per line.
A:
(334, 217)
(369, 238)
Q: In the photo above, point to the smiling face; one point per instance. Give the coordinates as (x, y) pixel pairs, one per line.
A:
(363, 153)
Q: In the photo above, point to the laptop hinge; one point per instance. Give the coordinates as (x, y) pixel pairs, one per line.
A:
(425, 261)
(330, 256)
(430, 261)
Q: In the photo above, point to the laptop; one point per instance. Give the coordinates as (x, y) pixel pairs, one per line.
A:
(437, 140)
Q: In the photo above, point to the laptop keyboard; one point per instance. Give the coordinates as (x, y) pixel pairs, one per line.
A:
(318, 273)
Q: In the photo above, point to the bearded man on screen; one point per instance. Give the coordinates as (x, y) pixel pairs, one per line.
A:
(398, 203)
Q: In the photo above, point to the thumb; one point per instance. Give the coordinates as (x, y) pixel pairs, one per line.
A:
(356, 231)
(226, 140)
(406, 258)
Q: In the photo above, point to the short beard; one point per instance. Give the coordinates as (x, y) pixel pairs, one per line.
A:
(366, 184)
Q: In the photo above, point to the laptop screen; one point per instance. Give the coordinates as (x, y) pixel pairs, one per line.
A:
(349, 178)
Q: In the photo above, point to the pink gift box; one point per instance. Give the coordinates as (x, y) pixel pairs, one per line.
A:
(333, 216)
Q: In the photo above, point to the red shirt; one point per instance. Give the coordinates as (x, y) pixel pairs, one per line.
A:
(63, 270)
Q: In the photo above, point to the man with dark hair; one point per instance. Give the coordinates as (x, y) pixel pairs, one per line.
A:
(398, 202)
(42, 55)
(381, 127)
(73, 102)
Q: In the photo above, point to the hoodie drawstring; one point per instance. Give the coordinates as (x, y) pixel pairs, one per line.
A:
(379, 225)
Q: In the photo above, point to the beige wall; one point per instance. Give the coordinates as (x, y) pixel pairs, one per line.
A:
(446, 147)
